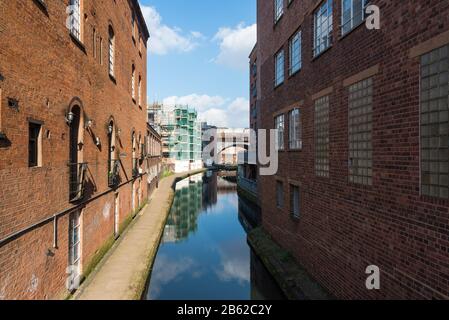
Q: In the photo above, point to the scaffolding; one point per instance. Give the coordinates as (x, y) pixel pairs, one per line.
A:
(180, 132)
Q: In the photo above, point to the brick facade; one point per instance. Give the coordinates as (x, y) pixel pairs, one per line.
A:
(344, 226)
(47, 74)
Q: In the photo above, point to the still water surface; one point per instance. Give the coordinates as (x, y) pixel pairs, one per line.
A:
(204, 253)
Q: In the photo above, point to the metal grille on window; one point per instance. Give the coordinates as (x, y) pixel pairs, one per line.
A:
(322, 137)
(435, 123)
(75, 18)
(295, 53)
(360, 132)
(323, 27)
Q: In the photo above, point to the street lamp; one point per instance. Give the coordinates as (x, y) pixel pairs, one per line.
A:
(69, 118)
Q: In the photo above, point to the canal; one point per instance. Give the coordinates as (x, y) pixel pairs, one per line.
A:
(204, 254)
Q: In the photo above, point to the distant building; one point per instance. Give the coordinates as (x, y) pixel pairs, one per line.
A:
(180, 132)
(225, 143)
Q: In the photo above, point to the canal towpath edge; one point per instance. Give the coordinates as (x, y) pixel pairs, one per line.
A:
(123, 272)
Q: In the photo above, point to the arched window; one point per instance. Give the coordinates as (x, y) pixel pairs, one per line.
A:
(75, 18)
(77, 167)
(133, 82)
(111, 51)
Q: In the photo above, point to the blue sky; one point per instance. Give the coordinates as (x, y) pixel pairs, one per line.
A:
(198, 55)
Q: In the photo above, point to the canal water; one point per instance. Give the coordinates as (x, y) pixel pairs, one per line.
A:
(204, 254)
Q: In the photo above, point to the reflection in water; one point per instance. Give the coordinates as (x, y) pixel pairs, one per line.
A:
(204, 253)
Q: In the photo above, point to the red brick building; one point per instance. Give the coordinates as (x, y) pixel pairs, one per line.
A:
(74, 143)
(363, 120)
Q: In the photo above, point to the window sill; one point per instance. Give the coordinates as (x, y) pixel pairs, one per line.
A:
(42, 5)
(295, 218)
(78, 42)
(291, 75)
(295, 150)
(276, 86)
(343, 36)
(322, 53)
(276, 22)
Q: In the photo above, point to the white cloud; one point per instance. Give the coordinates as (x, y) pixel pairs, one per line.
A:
(199, 102)
(236, 45)
(164, 38)
(216, 110)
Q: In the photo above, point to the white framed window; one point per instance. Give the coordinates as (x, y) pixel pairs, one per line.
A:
(353, 14)
(139, 88)
(75, 18)
(75, 247)
(278, 9)
(279, 123)
(279, 68)
(322, 28)
(294, 129)
(133, 82)
(295, 53)
(111, 51)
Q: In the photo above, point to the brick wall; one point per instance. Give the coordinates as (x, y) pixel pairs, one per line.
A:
(346, 227)
(44, 69)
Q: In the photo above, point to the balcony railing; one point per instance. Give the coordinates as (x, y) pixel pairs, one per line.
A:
(114, 174)
(77, 179)
(136, 172)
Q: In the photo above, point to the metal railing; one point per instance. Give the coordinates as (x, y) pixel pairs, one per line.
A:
(114, 174)
(136, 172)
(76, 180)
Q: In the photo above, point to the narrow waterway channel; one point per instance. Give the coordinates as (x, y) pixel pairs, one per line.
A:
(204, 253)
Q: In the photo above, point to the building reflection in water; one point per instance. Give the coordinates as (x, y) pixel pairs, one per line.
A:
(199, 195)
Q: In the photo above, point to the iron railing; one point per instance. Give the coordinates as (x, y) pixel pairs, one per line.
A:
(114, 173)
(77, 179)
(136, 172)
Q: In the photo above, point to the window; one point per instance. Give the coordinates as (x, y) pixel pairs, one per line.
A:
(279, 194)
(75, 18)
(278, 10)
(279, 126)
(360, 132)
(139, 88)
(322, 137)
(101, 50)
(435, 123)
(279, 68)
(94, 43)
(295, 201)
(75, 248)
(294, 128)
(353, 14)
(295, 53)
(111, 51)
(323, 28)
(133, 83)
(133, 25)
(34, 145)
